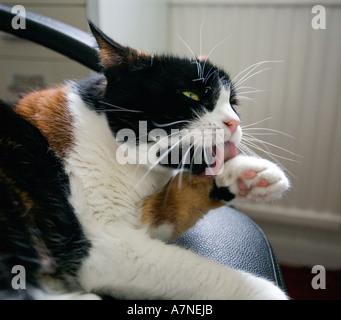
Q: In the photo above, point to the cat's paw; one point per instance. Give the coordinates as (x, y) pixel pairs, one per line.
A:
(253, 178)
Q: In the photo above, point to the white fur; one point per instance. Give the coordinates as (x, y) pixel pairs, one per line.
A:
(38, 294)
(124, 260)
(162, 232)
(222, 112)
(108, 191)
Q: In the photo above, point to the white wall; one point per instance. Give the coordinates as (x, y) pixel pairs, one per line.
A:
(302, 96)
(141, 24)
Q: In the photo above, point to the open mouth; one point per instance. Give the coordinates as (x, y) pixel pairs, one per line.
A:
(222, 153)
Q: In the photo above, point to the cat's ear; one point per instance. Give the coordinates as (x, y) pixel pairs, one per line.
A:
(112, 53)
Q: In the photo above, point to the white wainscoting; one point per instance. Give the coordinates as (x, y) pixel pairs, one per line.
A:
(302, 96)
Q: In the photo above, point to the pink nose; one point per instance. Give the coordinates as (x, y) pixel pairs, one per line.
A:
(232, 124)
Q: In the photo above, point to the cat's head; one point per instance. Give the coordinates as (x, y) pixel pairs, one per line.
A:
(166, 110)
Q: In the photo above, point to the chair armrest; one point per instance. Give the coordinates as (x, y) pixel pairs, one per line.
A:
(230, 238)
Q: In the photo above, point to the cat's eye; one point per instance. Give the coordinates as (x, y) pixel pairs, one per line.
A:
(191, 95)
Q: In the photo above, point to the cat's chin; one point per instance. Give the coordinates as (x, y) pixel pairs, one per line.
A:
(223, 153)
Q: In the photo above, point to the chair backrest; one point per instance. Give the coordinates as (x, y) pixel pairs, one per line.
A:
(60, 37)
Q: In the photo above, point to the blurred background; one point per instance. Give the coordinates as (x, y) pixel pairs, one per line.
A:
(290, 79)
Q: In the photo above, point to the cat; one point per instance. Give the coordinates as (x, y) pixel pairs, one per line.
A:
(83, 224)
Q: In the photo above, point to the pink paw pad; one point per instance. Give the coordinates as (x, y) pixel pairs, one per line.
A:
(262, 183)
(249, 174)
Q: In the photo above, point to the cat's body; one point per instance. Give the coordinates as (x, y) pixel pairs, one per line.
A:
(95, 224)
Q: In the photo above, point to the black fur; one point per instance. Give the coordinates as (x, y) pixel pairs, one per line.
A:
(154, 89)
(38, 226)
(150, 88)
(221, 193)
(92, 91)
(44, 236)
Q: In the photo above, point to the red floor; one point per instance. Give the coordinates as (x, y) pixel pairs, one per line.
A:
(299, 284)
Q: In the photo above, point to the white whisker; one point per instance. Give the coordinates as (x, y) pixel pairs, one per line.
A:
(252, 91)
(246, 98)
(209, 75)
(161, 158)
(187, 46)
(199, 69)
(250, 141)
(161, 125)
(260, 133)
(250, 130)
(272, 145)
(215, 47)
(254, 123)
(246, 150)
(196, 114)
(250, 76)
(273, 156)
(268, 152)
(117, 107)
(247, 87)
(253, 66)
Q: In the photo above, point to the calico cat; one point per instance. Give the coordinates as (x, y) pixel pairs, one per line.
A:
(90, 198)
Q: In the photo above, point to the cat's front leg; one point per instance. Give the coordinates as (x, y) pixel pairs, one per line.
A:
(128, 264)
(187, 198)
(252, 179)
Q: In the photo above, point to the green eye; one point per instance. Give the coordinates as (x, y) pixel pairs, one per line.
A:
(191, 95)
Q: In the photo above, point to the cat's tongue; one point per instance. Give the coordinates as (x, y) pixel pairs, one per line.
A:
(223, 153)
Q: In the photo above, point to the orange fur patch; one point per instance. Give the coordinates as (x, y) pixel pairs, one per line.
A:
(111, 57)
(180, 204)
(48, 111)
